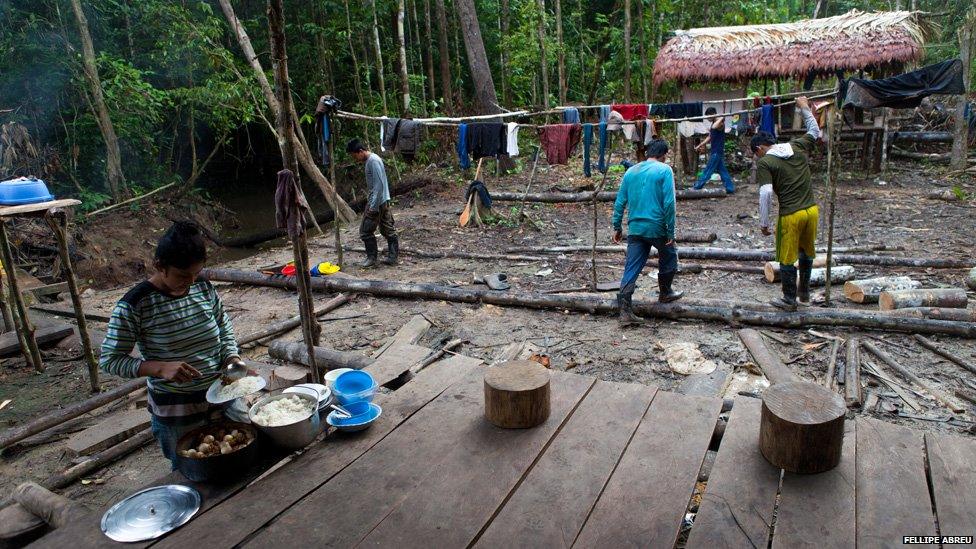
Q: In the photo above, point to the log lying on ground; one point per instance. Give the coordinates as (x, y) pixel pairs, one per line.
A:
(971, 279)
(852, 373)
(939, 396)
(598, 304)
(936, 313)
(329, 359)
(768, 362)
(605, 196)
(818, 277)
(731, 254)
(294, 322)
(99, 460)
(15, 434)
(771, 268)
(935, 348)
(868, 290)
(953, 298)
(53, 509)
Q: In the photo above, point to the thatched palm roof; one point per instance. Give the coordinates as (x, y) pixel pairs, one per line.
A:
(853, 41)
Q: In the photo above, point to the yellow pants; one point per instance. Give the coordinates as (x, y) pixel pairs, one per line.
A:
(794, 232)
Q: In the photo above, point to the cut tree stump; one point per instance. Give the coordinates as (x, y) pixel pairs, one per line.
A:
(802, 427)
(771, 268)
(108, 432)
(935, 297)
(869, 290)
(517, 394)
(286, 376)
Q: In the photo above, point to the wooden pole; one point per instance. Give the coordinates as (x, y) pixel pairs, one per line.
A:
(58, 221)
(8, 318)
(521, 207)
(938, 395)
(335, 185)
(33, 354)
(935, 348)
(99, 460)
(832, 161)
(852, 373)
(596, 193)
(768, 362)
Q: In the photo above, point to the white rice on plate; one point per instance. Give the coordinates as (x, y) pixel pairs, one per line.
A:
(283, 411)
(244, 386)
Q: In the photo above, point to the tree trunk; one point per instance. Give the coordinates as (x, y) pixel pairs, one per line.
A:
(820, 9)
(561, 53)
(771, 269)
(557, 197)
(818, 277)
(484, 86)
(429, 52)
(643, 48)
(936, 313)
(953, 298)
(544, 62)
(378, 51)
(869, 290)
(444, 57)
(592, 304)
(343, 211)
(504, 23)
(326, 358)
(355, 59)
(402, 59)
(627, 65)
(960, 139)
(113, 156)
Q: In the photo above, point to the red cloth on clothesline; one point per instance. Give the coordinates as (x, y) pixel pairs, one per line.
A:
(631, 112)
(559, 140)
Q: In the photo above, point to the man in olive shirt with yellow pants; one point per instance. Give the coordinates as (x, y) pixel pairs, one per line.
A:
(784, 169)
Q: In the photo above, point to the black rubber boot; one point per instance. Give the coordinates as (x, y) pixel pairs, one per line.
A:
(788, 301)
(803, 290)
(392, 251)
(665, 293)
(625, 304)
(372, 250)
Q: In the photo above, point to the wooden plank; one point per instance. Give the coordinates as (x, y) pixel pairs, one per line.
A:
(396, 360)
(712, 384)
(49, 289)
(374, 486)
(106, 433)
(953, 482)
(550, 506)
(646, 499)
(892, 491)
(232, 522)
(818, 510)
(411, 332)
(10, 211)
(483, 465)
(44, 334)
(66, 310)
(737, 506)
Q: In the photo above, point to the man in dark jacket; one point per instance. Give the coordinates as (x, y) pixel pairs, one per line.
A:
(377, 214)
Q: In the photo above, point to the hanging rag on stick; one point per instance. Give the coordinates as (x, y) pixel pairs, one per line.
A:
(906, 91)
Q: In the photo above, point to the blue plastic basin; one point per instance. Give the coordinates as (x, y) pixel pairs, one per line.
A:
(358, 410)
(23, 190)
(354, 386)
(357, 423)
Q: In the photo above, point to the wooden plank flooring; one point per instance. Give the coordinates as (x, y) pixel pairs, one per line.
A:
(645, 501)
(953, 463)
(552, 503)
(396, 360)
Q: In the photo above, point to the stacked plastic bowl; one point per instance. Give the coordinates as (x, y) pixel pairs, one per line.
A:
(354, 390)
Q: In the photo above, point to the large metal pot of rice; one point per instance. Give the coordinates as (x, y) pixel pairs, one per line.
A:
(291, 420)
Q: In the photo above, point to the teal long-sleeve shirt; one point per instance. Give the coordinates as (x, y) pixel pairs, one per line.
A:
(647, 194)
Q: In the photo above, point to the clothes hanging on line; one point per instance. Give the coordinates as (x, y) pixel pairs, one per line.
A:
(464, 161)
(604, 113)
(559, 140)
(676, 110)
(408, 139)
(723, 101)
(487, 139)
(602, 166)
(631, 111)
(906, 91)
(388, 133)
(767, 119)
(571, 115)
(324, 136)
(587, 143)
(512, 139)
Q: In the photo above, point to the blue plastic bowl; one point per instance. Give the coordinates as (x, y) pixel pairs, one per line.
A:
(358, 410)
(354, 386)
(22, 190)
(357, 423)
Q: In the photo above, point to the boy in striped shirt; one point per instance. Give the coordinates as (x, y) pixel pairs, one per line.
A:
(183, 334)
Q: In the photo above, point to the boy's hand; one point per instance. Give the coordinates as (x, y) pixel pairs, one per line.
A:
(803, 103)
(179, 372)
(617, 237)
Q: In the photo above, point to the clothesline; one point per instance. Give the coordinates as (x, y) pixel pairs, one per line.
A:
(714, 101)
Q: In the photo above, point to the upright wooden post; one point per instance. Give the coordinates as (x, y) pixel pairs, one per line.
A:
(58, 221)
(8, 318)
(14, 326)
(832, 161)
(596, 193)
(335, 187)
(33, 354)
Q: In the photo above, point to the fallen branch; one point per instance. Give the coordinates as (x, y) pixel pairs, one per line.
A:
(939, 396)
(605, 196)
(935, 348)
(99, 460)
(294, 322)
(133, 199)
(598, 304)
(768, 362)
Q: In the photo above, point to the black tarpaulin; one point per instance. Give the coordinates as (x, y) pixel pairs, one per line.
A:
(906, 91)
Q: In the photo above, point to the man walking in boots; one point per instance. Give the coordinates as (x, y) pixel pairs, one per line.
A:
(377, 212)
(647, 193)
(784, 169)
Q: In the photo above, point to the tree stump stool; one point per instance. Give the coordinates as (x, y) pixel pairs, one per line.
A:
(802, 427)
(517, 394)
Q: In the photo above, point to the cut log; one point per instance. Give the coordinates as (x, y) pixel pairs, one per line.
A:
(832, 365)
(802, 427)
(818, 277)
(938, 395)
(935, 348)
(52, 508)
(605, 196)
(517, 394)
(936, 313)
(807, 317)
(15, 434)
(868, 290)
(971, 279)
(294, 322)
(771, 268)
(45, 335)
(768, 362)
(19, 527)
(954, 298)
(98, 461)
(325, 357)
(852, 373)
(109, 432)
(287, 375)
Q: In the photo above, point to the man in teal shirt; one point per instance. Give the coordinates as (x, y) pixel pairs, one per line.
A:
(647, 193)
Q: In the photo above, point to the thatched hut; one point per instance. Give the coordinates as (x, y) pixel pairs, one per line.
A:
(853, 41)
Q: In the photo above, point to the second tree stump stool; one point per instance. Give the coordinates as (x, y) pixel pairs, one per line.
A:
(802, 427)
(517, 394)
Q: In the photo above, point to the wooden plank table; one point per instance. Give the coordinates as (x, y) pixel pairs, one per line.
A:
(614, 465)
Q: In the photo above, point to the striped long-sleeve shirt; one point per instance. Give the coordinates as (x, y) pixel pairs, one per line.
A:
(192, 328)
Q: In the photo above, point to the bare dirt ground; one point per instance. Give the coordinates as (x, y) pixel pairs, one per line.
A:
(893, 212)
